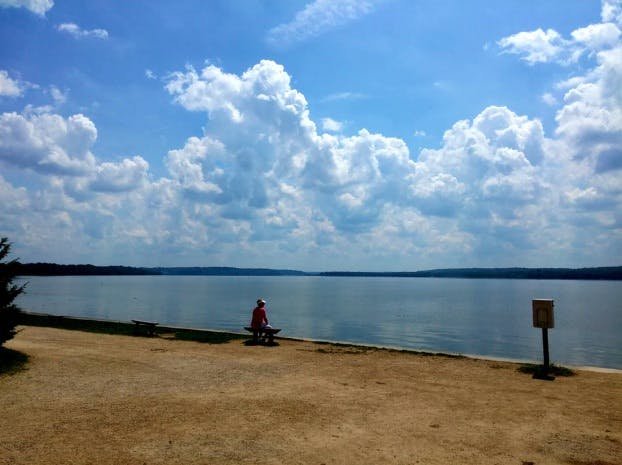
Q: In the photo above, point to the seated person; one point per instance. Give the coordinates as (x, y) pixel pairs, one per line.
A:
(259, 320)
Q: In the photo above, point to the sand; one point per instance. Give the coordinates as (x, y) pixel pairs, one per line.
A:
(89, 398)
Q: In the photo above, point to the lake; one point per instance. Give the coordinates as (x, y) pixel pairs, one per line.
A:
(486, 317)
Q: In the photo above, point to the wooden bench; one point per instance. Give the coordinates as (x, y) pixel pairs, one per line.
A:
(150, 325)
(270, 332)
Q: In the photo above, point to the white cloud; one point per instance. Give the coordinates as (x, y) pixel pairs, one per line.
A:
(150, 74)
(485, 167)
(597, 36)
(343, 96)
(550, 47)
(39, 7)
(11, 87)
(262, 163)
(79, 33)
(535, 46)
(329, 124)
(58, 95)
(584, 161)
(612, 11)
(47, 143)
(591, 119)
(317, 18)
(127, 175)
(77, 199)
(549, 99)
(261, 146)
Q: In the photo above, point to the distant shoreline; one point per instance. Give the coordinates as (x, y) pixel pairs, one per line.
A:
(611, 273)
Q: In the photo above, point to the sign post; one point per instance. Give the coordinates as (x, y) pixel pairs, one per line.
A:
(543, 317)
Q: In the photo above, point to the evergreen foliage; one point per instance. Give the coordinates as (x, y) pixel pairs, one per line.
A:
(9, 312)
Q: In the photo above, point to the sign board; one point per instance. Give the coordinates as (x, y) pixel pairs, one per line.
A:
(543, 313)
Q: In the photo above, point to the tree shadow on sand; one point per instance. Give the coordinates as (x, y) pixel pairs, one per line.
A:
(12, 361)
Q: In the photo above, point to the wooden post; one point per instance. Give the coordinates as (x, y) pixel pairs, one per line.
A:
(543, 318)
(545, 347)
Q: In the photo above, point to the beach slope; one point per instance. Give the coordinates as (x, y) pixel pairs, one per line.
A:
(112, 399)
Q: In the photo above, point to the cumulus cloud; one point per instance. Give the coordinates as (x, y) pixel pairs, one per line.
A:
(612, 11)
(47, 143)
(39, 7)
(597, 36)
(317, 18)
(591, 118)
(76, 31)
(127, 175)
(486, 167)
(261, 146)
(492, 184)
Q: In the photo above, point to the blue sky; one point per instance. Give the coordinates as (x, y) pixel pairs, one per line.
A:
(315, 135)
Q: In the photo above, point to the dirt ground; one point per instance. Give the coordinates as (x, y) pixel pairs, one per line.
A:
(89, 398)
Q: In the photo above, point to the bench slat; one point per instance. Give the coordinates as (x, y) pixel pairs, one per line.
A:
(148, 323)
(265, 330)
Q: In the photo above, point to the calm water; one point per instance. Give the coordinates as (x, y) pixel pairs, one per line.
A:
(470, 316)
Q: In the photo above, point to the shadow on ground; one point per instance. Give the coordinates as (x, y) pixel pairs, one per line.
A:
(126, 328)
(12, 361)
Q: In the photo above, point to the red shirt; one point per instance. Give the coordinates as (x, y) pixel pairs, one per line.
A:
(259, 317)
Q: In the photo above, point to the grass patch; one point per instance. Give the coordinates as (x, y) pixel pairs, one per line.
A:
(555, 370)
(12, 361)
(342, 350)
(434, 354)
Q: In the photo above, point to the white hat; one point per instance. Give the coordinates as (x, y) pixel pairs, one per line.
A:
(260, 301)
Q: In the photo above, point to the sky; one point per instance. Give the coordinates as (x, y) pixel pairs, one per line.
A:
(317, 135)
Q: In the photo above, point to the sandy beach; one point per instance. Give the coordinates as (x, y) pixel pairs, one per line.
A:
(88, 398)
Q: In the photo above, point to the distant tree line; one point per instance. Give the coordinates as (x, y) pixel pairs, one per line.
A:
(226, 271)
(598, 273)
(53, 269)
